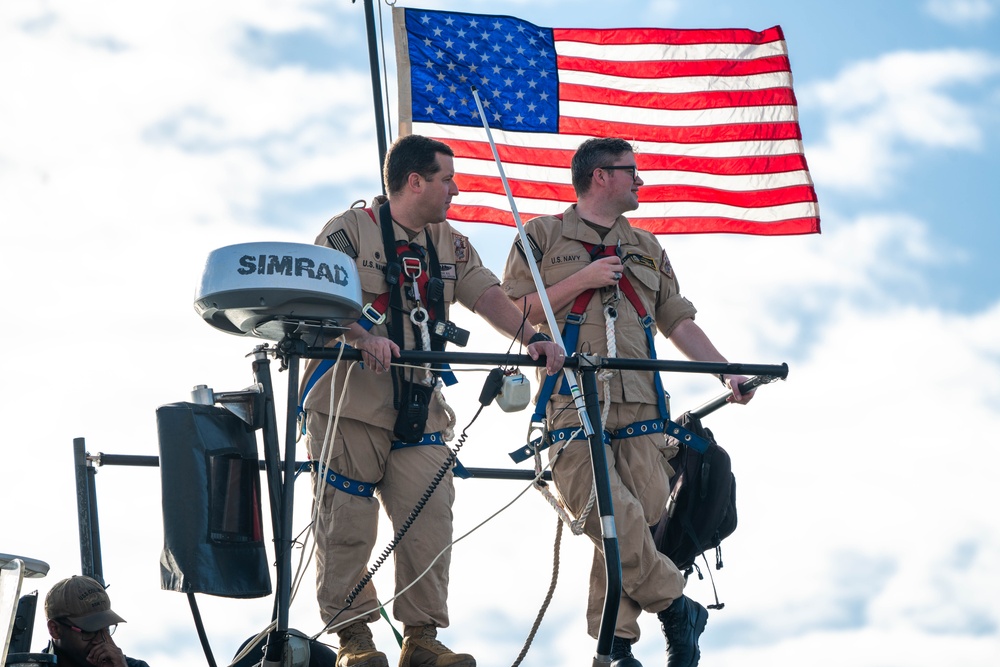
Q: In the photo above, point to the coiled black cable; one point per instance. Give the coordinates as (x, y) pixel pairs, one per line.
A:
(445, 467)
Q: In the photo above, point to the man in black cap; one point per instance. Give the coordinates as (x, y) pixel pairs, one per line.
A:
(81, 622)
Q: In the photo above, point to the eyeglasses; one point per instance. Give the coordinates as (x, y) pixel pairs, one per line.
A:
(623, 167)
(85, 635)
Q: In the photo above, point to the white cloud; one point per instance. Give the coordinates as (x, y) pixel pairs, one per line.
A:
(867, 534)
(960, 12)
(880, 112)
(122, 129)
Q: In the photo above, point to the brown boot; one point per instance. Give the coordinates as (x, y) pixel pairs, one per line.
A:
(422, 649)
(357, 648)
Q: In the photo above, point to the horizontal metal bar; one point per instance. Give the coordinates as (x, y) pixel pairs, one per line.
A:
(616, 363)
(102, 459)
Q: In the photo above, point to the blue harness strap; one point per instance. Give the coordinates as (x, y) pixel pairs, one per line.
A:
(689, 438)
(435, 438)
(428, 439)
(636, 429)
(558, 435)
(571, 335)
(348, 485)
(366, 490)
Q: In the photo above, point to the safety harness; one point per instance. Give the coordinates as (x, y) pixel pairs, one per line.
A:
(417, 270)
(411, 258)
(571, 335)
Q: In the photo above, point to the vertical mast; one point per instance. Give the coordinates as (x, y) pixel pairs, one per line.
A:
(380, 129)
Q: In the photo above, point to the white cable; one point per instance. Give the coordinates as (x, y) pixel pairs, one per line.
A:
(303, 561)
(433, 561)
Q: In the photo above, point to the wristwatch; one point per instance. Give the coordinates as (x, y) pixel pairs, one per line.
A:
(538, 337)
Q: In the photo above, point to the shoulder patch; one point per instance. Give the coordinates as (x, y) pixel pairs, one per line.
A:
(339, 241)
(536, 252)
(665, 267)
(461, 247)
(648, 262)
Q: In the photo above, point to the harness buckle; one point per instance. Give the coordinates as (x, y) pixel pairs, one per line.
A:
(372, 314)
(573, 318)
(412, 267)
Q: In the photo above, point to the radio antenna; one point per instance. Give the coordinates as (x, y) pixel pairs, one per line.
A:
(581, 406)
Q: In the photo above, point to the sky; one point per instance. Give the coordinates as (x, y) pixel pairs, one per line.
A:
(135, 138)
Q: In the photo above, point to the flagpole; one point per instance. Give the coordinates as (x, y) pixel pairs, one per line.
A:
(380, 129)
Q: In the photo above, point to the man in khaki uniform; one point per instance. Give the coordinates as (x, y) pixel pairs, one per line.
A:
(592, 247)
(365, 456)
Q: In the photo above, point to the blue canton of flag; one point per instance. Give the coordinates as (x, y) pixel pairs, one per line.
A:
(510, 62)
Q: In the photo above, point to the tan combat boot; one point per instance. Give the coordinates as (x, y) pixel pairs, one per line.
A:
(422, 649)
(357, 648)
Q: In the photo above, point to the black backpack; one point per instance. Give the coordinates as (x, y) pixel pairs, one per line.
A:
(701, 510)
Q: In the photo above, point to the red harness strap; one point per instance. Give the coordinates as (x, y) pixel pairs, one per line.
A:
(580, 304)
(412, 269)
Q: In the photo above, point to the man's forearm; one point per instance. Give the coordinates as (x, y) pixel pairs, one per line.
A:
(494, 306)
(692, 341)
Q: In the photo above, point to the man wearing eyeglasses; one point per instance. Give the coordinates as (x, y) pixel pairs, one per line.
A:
(80, 624)
(611, 287)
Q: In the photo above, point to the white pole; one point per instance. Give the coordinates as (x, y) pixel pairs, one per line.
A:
(543, 297)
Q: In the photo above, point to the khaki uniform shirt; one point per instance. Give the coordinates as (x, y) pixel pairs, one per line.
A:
(647, 269)
(369, 396)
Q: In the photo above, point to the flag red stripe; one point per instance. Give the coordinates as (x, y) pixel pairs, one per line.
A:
(519, 187)
(569, 92)
(653, 193)
(717, 225)
(675, 68)
(729, 166)
(667, 36)
(487, 214)
(552, 157)
(707, 225)
(680, 135)
(543, 157)
(750, 199)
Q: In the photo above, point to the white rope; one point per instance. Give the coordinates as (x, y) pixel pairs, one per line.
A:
(610, 316)
(420, 317)
(576, 525)
(448, 432)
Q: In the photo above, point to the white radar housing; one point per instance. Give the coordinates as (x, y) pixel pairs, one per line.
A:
(273, 290)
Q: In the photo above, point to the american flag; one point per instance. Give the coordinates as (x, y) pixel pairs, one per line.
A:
(711, 114)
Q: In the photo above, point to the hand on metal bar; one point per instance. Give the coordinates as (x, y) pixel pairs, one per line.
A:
(723, 399)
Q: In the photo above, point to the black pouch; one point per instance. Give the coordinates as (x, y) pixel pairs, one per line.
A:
(414, 403)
